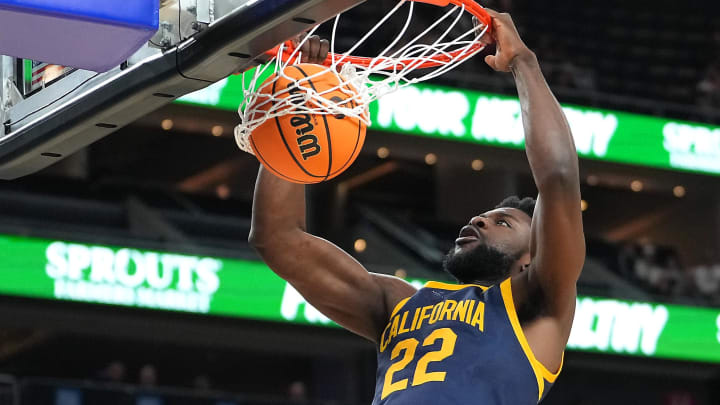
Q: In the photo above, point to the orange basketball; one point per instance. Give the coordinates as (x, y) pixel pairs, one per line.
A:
(307, 148)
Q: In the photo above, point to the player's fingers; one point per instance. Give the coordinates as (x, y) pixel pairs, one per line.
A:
(302, 43)
(492, 14)
(298, 39)
(324, 50)
(307, 51)
(496, 14)
(488, 38)
(499, 20)
(491, 11)
(490, 60)
(299, 49)
(497, 24)
(314, 48)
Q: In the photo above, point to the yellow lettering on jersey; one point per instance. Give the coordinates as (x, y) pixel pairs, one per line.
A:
(460, 310)
(479, 317)
(415, 319)
(403, 329)
(447, 310)
(384, 338)
(468, 317)
(393, 328)
(423, 315)
(436, 313)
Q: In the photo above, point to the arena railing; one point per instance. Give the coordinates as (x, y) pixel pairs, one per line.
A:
(9, 390)
(50, 391)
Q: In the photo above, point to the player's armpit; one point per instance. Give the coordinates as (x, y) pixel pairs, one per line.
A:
(547, 332)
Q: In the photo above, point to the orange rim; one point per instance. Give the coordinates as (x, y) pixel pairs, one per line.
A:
(433, 60)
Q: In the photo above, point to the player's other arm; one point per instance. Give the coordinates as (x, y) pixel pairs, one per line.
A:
(330, 279)
(557, 240)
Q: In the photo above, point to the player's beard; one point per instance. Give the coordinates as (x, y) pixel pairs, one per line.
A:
(483, 264)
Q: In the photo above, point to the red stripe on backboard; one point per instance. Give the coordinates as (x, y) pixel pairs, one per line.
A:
(42, 69)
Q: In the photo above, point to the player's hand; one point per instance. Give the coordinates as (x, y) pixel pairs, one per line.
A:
(314, 50)
(509, 46)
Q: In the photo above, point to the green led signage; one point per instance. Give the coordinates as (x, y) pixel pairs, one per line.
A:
(137, 278)
(470, 116)
(494, 120)
(113, 275)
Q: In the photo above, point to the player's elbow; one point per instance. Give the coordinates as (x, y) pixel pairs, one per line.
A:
(252, 239)
(258, 238)
(263, 246)
(265, 241)
(561, 175)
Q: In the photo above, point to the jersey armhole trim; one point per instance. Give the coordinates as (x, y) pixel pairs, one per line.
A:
(506, 291)
(550, 377)
(546, 374)
(452, 287)
(398, 307)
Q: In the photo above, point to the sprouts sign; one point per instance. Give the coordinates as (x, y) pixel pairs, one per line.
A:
(494, 120)
(112, 275)
(131, 277)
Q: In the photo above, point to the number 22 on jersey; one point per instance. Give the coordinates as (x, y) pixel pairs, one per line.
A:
(407, 347)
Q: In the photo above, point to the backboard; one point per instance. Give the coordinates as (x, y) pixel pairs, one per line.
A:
(46, 118)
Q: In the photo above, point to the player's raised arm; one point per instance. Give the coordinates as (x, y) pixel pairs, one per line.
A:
(557, 243)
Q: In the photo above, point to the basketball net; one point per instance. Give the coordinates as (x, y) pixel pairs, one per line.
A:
(371, 78)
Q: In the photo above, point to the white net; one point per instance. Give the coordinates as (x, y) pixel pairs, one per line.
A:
(403, 62)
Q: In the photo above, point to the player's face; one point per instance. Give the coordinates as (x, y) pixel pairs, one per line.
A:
(489, 246)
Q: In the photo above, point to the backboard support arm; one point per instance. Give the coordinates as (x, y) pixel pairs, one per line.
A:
(78, 114)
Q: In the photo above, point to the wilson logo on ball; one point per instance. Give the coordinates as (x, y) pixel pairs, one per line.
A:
(307, 142)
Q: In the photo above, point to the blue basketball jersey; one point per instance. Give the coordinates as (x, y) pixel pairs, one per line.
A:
(458, 344)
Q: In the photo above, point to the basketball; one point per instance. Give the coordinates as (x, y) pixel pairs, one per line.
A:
(302, 147)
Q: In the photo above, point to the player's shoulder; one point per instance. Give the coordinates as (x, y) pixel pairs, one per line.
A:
(395, 290)
(394, 287)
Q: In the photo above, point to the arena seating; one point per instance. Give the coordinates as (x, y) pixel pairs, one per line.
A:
(627, 55)
(619, 57)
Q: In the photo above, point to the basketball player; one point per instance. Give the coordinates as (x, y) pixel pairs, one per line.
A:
(499, 335)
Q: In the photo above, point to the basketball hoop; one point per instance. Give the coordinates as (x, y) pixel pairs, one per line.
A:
(371, 77)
